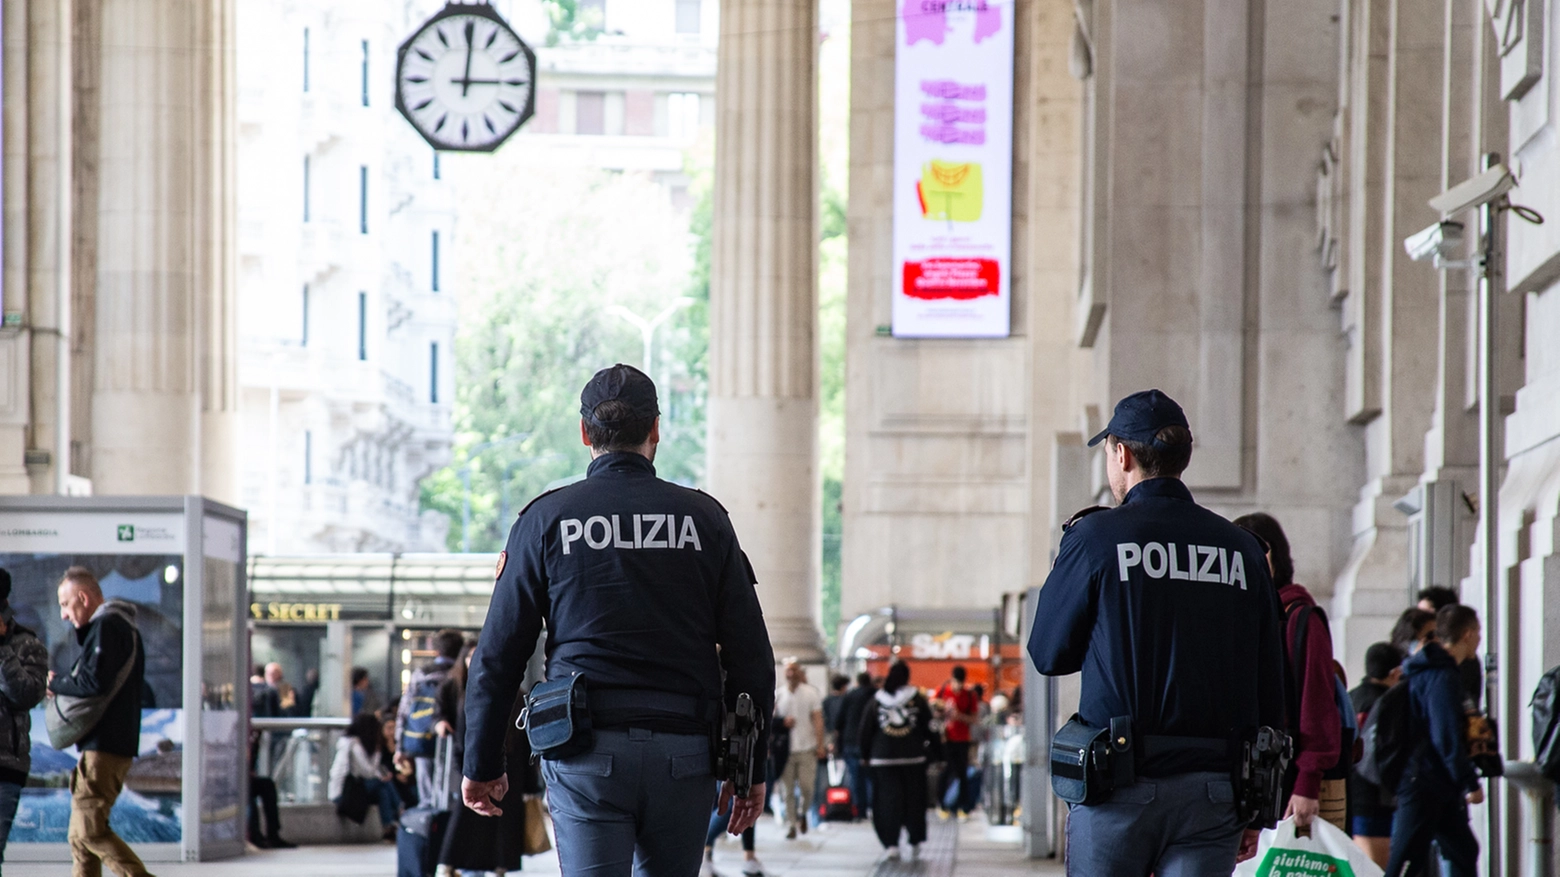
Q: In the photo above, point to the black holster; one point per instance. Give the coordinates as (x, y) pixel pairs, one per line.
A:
(1259, 777)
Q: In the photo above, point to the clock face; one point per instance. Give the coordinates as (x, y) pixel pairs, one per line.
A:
(465, 80)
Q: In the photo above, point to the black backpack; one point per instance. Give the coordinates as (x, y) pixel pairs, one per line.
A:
(1296, 679)
(1386, 737)
(1546, 724)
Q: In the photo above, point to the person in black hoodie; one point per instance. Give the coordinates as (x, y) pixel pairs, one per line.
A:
(1439, 782)
(895, 735)
(106, 632)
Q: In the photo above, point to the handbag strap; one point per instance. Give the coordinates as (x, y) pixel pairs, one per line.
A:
(121, 677)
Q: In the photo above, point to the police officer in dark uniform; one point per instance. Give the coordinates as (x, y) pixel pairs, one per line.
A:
(1169, 611)
(638, 581)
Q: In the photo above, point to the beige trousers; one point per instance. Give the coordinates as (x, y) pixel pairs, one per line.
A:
(94, 786)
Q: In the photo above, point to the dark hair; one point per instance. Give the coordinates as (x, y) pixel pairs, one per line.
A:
(898, 677)
(369, 731)
(959, 672)
(449, 643)
(459, 671)
(1166, 457)
(259, 670)
(358, 675)
(1453, 622)
(628, 432)
(838, 682)
(864, 679)
(1408, 625)
(1438, 596)
(1380, 658)
(1268, 530)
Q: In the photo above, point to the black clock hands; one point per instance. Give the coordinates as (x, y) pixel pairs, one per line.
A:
(465, 81)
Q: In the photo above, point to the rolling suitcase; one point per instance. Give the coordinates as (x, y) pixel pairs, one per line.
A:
(839, 804)
(421, 836)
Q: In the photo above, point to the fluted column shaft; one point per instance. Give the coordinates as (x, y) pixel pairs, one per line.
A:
(763, 305)
(164, 397)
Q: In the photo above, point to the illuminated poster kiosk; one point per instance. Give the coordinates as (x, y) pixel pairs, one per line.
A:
(180, 561)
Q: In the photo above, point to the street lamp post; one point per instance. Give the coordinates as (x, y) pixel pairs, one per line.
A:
(647, 327)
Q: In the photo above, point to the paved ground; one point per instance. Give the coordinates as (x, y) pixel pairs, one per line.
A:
(832, 850)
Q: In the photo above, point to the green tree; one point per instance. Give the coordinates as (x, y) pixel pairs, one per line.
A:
(545, 259)
(568, 21)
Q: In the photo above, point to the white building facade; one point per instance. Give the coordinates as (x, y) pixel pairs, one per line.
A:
(346, 318)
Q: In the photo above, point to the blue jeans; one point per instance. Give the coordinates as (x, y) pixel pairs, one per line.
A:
(10, 796)
(860, 781)
(1177, 826)
(1431, 811)
(389, 800)
(639, 802)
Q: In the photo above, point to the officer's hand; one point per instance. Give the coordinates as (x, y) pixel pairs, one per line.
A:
(401, 761)
(1476, 796)
(745, 811)
(1303, 809)
(443, 728)
(1248, 844)
(484, 797)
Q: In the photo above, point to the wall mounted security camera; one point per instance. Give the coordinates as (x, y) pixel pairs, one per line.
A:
(1475, 191)
(1440, 242)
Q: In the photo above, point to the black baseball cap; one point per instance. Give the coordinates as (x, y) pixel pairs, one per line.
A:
(622, 383)
(1140, 416)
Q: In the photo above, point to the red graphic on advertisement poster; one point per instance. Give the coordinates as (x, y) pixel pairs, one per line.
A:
(959, 279)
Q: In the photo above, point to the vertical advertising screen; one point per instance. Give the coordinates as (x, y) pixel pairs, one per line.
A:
(953, 168)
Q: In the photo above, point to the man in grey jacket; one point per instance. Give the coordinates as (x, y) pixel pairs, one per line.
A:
(24, 669)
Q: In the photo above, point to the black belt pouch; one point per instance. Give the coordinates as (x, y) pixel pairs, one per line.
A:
(557, 718)
(1088, 763)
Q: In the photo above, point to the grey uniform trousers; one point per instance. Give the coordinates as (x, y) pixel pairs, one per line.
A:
(1178, 826)
(638, 802)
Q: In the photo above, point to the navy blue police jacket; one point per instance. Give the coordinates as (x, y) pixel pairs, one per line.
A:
(636, 579)
(1171, 614)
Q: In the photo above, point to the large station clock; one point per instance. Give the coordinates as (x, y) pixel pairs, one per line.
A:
(465, 79)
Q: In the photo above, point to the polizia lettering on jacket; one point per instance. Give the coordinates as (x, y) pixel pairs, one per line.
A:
(643, 531)
(1191, 563)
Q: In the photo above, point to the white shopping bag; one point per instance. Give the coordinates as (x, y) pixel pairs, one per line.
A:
(1328, 852)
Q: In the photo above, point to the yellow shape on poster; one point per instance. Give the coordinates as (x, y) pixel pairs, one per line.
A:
(951, 190)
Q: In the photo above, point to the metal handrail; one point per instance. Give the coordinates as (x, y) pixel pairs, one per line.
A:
(1539, 818)
(309, 723)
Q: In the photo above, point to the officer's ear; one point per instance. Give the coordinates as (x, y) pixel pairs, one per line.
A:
(584, 436)
(1123, 454)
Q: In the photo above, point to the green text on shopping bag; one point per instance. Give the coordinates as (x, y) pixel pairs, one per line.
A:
(1298, 863)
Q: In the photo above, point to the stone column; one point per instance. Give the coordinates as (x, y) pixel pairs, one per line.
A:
(163, 399)
(763, 412)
